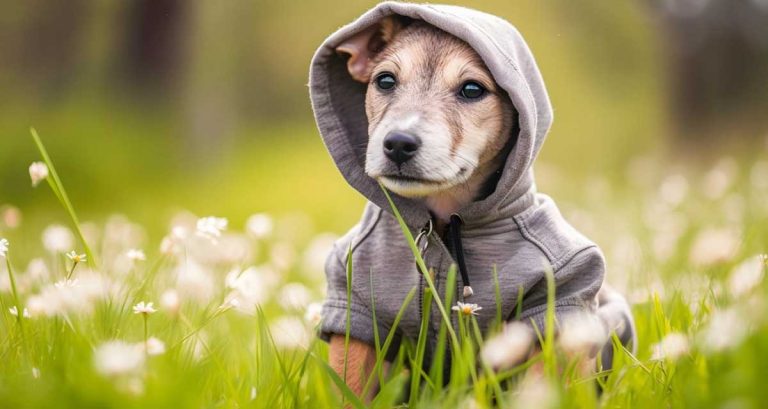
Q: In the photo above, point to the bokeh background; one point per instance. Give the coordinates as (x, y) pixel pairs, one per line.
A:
(164, 111)
(149, 107)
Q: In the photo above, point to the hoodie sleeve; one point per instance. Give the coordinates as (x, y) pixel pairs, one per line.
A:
(334, 316)
(577, 283)
(338, 303)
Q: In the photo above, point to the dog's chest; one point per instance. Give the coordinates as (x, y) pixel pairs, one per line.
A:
(385, 272)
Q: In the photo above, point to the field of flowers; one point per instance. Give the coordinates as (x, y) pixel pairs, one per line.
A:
(223, 316)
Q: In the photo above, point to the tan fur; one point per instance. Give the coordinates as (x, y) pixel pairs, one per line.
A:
(359, 364)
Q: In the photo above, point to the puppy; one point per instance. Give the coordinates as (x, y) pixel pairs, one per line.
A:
(438, 126)
(455, 111)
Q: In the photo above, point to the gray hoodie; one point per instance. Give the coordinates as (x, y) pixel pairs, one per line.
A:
(516, 230)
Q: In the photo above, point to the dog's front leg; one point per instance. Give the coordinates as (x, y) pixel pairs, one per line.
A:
(360, 361)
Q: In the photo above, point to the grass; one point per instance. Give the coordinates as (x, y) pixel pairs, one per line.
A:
(683, 244)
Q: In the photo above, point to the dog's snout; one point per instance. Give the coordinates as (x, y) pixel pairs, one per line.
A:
(401, 147)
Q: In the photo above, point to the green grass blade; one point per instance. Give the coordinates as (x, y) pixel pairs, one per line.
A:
(548, 346)
(376, 340)
(390, 392)
(423, 267)
(438, 362)
(421, 346)
(349, 396)
(348, 318)
(380, 355)
(19, 306)
(61, 194)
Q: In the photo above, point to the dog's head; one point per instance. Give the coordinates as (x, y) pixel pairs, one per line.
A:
(436, 118)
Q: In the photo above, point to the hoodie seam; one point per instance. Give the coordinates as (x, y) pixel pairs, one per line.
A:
(521, 224)
(354, 306)
(358, 310)
(353, 294)
(342, 304)
(572, 301)
(557, 261)
(366, 231)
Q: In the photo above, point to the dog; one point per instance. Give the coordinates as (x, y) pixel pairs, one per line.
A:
(442, 153)
(446, 137)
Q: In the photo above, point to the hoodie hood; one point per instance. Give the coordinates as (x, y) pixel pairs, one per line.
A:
(338, 102)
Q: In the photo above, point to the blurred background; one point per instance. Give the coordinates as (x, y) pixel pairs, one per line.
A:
(149, 107)
(158, 112)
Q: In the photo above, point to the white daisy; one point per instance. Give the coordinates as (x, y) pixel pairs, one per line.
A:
(155, 346)
(74, 296)
(294, 296)
(15, 312)
(746, 276)
(57, 238)
(169, 300)
(289, 333)
(582, 334)
(715, 245)
(211, 227)
(259, 225)
(508, 348)
(144, 308)
(727, 329)
(38, 171)
(116, 358)
(466, 308)
(314, 314)
(136, 255)
(77, 258)
(315, 254)
(672, 347)
(194, 281)
(3, 247)
(167, 245)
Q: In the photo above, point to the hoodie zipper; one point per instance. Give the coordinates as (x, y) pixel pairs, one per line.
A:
(424, 234)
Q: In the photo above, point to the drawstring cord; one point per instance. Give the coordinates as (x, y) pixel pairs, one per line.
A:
(455, 231)
(458, 248)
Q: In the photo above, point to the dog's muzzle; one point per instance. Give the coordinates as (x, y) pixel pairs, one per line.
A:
(401, 147)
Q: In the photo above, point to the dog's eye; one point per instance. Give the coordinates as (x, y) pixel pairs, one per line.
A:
(472, 90)
(385, 81)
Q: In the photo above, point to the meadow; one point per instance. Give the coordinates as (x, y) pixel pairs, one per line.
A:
(234, 305)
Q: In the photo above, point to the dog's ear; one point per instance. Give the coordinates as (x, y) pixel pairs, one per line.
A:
(363, 46)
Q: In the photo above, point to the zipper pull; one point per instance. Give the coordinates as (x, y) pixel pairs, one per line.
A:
(424, 236)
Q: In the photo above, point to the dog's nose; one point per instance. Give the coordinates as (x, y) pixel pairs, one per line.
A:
(401, 147)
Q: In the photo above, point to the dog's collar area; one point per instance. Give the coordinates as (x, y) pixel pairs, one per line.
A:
(454, 236)
(424, 235)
